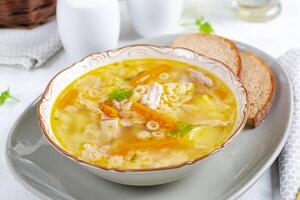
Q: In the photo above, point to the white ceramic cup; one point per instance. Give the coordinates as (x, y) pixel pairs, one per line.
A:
(155, 17)
(88, 26)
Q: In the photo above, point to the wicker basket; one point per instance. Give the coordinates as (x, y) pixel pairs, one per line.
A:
(26, 13)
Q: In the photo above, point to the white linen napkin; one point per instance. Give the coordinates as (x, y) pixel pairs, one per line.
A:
(289, 159)
(28, 48)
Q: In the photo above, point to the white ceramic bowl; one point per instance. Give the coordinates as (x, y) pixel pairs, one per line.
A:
(140, 177)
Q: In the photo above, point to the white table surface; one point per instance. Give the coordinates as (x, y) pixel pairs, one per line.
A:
(274, 37)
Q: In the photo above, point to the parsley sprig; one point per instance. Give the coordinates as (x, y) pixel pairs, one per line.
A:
(183, 129)
(5, 95)
(203, 25)
(120, 94)
(133, 158)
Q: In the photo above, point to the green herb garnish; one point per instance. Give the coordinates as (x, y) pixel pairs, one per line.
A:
(5, 96)
(183, 129)
(120, 94)
(203, 26)
(133, 158)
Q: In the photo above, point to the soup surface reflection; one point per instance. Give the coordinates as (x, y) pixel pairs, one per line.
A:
(143, 113)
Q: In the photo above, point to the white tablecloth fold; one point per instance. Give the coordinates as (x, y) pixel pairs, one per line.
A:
(289, 159)
(28, 48)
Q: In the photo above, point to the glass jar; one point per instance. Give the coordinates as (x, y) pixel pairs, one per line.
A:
(258, 10)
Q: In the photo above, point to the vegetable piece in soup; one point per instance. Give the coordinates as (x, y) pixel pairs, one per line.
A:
(143, 114)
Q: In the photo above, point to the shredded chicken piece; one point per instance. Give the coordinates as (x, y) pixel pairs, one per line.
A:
(104, 116)
(116, 104)
(199, 77)
(152, 97)
(193, 133)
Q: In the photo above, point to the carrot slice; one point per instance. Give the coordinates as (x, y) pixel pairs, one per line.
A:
(157, 144)
(109, 110)
(150, 114)
(150, 75)
(221, 93)
(68, 98)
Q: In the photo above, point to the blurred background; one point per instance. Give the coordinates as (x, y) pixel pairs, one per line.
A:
(244, 20)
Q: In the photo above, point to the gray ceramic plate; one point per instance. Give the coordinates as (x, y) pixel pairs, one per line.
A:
(224, 176)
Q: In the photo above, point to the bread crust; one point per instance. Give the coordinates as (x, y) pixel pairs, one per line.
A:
(228, 42)
(261, 113)
(234, 49)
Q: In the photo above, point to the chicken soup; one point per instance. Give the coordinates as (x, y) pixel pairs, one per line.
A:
(144, 113)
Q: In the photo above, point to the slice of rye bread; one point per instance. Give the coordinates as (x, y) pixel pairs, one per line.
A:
(258, 79)
(212, 46)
